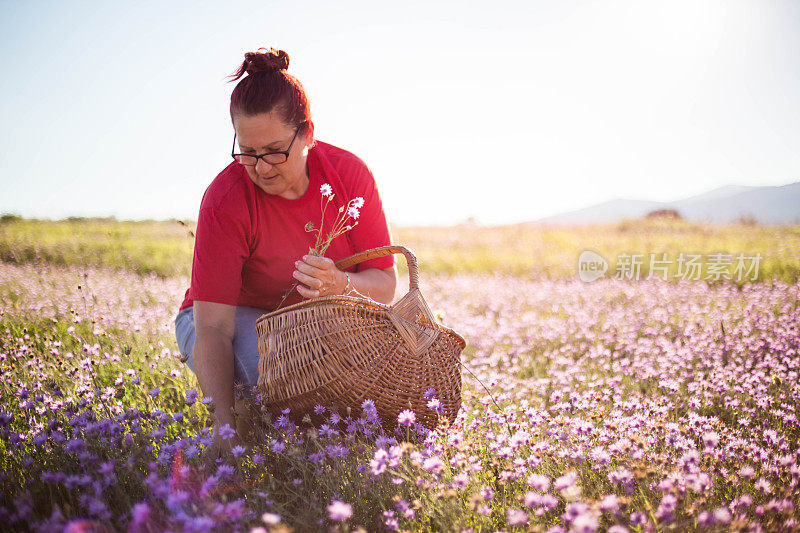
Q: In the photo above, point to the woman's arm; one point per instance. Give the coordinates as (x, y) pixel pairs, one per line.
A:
(320, 277)
(214, 326)
(378, 284)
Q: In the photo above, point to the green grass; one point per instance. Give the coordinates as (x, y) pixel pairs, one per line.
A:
(160, 247)
(69, 362)
(165, 247)
(541, 251)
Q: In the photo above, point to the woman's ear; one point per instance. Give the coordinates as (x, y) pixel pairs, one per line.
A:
(309, 135)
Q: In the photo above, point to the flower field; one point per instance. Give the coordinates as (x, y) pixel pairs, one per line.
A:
(613, 405)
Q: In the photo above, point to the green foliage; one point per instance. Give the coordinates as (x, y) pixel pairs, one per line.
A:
(8, 218)
(102, 373)
(163, 248)
(96, 418)
(536, 251)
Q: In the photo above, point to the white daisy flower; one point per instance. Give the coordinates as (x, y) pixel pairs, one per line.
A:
(353, 211)
(326, 189)
(358, 202)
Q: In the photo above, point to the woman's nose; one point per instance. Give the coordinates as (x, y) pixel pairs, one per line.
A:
(262, 166)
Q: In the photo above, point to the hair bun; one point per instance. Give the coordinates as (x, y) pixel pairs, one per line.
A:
(270, 60)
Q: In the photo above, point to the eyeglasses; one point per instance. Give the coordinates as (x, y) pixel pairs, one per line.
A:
(273, 158)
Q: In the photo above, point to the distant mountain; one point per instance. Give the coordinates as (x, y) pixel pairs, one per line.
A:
(721, 192)
(767, 205)
(611, 211)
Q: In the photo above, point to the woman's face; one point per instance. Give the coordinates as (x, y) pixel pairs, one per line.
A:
(259, 134)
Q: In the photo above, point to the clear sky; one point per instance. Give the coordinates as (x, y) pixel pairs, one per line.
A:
(501, 111)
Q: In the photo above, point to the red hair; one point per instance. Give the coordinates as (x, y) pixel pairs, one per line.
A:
(269, 87)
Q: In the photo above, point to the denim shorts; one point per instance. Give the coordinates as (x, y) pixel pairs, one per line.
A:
(245, 342)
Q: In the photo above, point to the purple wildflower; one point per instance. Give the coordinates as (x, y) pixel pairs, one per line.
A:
(271, 519)
(227, 432)
(539, 482)
(516, 517)
(191, 397)
(406, 418)
(340, 511)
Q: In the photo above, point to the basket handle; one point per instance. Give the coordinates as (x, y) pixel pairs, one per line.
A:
(366, 255)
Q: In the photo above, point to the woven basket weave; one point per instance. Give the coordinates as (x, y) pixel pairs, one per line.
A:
(341, 350)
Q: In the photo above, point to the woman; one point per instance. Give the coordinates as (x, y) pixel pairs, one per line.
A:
(251, 243)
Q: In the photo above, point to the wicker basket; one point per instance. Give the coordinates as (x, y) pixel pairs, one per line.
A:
(341, 350)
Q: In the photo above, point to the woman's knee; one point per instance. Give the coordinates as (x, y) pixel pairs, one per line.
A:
(245, 344)
(184, 335)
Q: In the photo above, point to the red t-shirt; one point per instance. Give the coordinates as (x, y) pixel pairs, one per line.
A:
(247, 241)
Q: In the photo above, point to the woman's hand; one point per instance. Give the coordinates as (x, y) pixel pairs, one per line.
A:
(214, 328)
(318, 277)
